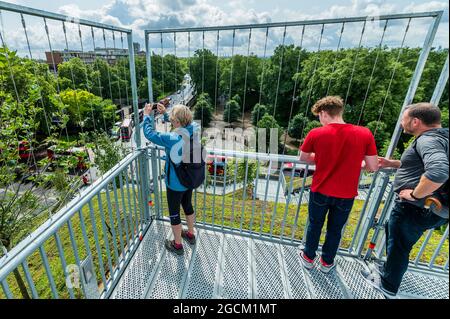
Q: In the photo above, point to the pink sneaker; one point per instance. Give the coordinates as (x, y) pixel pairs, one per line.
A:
(326, 268)
(307, 262)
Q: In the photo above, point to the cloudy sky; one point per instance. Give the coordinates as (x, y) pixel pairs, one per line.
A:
(157, 14)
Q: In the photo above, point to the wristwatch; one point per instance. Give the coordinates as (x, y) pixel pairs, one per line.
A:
(412, 195)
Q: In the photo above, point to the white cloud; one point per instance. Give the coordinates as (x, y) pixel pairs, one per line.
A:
(418, 29)
(139, 15)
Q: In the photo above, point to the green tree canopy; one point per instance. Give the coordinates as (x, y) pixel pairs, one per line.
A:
(203, 110)
(268, 122)
(203, 71)
(297, 124)
(258, 112)
(310, 125)
(380, 132)
(232, 111)
(74, 73)
(88, 111)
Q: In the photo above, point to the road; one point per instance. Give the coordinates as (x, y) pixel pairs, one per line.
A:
(185, 94)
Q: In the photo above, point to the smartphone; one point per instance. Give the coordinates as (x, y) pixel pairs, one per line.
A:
(164, 102)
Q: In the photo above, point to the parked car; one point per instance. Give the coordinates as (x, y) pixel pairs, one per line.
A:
(300, 169)
(23, 148)
(218, 162)
(126, 130)
(114, 132)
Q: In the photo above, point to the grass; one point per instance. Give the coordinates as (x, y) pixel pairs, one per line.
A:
(266, 217)
(261, 220)
(36, 265)
(297, 181)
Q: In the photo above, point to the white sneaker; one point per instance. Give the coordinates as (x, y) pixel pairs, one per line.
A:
(374, 279)
(326, 268)
(307, 262)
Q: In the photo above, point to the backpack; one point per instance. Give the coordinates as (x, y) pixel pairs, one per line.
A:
(441, 194)
(191, 175)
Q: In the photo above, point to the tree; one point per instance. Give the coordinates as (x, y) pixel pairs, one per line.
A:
(317, 78)
(237, 98)
(296, 126)
(101, 82)
(173, 73)
(203, 71)
(430, 76)
(384, 148)
(203, 110)
(380, 132)
(268, 122)
(34, 84)
(289, 56)
(249, 166)
(232, 111)
(258, 112)
(106, 154)
(74, 73)
(120, 78)
(444, 117)
(310, 125)
(242, 77)
(18, 204)
(87, 110)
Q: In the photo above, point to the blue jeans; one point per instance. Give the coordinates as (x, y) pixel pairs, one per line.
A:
(338, 210)
(405, 227)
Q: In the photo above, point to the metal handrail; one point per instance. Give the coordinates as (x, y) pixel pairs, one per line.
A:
(60, 17)
(299, 23)
(36, 239)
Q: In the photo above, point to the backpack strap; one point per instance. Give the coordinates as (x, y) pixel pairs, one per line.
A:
(414, 147)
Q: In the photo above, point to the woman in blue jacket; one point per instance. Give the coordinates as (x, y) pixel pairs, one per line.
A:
(177, 194)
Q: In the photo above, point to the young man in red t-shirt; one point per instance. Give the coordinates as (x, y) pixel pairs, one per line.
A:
(338, 150)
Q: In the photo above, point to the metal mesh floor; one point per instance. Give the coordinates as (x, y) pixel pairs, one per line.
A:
(230, 266)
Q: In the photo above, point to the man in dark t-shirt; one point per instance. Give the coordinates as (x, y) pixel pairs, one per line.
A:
(339, 151)
(421, 172)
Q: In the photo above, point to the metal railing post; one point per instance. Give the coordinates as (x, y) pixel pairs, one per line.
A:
(134, 86)
(363, 211)
(373, 206)
(155, 177)
(149, 69)
(414, 82)
(440, 86)
(380, 223)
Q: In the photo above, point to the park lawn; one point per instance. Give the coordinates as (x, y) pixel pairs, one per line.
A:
(297, 181)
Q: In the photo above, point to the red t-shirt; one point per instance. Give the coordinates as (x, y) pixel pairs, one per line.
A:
(339, 150)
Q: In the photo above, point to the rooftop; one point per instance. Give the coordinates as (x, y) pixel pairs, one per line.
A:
(108, 241)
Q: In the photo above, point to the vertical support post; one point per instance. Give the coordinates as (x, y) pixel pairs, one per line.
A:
(143, 168)
(385, 213)
(379, 191)
(415, 81)
(149, 69)
(440, 86)
(144, 180)
(155, 175)
(363, 211)
(134, 87)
